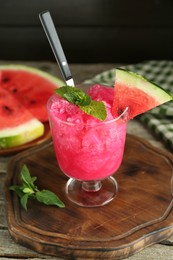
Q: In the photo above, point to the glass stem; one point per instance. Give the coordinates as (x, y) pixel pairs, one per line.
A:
(91, 186)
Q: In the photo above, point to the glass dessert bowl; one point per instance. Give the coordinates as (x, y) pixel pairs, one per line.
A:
(88, 151)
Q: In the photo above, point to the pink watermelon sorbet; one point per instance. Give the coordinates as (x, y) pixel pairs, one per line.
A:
(87, 148)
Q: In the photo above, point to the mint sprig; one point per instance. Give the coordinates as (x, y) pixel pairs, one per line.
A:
(28, 190)
(81, 99)
(95, 109)
(74, 95)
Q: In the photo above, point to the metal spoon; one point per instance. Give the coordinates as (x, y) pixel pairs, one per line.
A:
(49, 28)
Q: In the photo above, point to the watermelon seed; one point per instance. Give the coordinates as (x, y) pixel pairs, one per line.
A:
(14, 90)
(120, 111)
(5, 79)
(7, 109)
(32, 101)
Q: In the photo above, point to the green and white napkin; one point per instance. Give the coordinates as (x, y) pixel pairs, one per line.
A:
(160, 119)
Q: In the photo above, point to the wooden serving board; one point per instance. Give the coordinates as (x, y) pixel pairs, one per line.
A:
(139, 216)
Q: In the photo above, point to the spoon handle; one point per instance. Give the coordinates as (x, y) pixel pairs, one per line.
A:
(49, 28)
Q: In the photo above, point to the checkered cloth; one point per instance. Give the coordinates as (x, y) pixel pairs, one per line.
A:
(160, 119)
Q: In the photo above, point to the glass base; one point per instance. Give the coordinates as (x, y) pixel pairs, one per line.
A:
(91, 193)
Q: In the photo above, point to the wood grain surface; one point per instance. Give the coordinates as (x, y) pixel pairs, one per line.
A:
(139, 216)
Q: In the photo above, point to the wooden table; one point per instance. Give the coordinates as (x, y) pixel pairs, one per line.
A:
(8, 248)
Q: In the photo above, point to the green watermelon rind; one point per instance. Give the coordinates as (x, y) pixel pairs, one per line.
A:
(35, 71)
(134, 80)
(19, 135)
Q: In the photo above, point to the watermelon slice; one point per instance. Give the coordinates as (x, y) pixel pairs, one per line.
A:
(24, 92)
(30, 86)
(17, 124)
(136, 93)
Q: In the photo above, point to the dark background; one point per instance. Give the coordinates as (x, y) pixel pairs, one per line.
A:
(90, 30)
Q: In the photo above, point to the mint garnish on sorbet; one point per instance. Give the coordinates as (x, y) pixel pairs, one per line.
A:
(79, 98)
(28, 190)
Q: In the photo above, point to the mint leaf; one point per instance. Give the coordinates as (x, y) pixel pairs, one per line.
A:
(74, 95)
(33, 179)
(96, 109)
(80, 98)
(49, 198)
(27, 190)
(26, 177)
(17, 189)
(24, 200)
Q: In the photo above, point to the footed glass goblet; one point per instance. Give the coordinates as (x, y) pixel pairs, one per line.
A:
(88, 151)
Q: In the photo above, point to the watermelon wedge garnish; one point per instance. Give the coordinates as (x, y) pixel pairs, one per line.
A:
(24, 92)
(137, 93)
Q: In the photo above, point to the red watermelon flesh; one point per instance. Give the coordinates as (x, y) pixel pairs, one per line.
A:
(124, 97)
(137, 93)
(12, 113)
(17, 124)
(30, 89)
